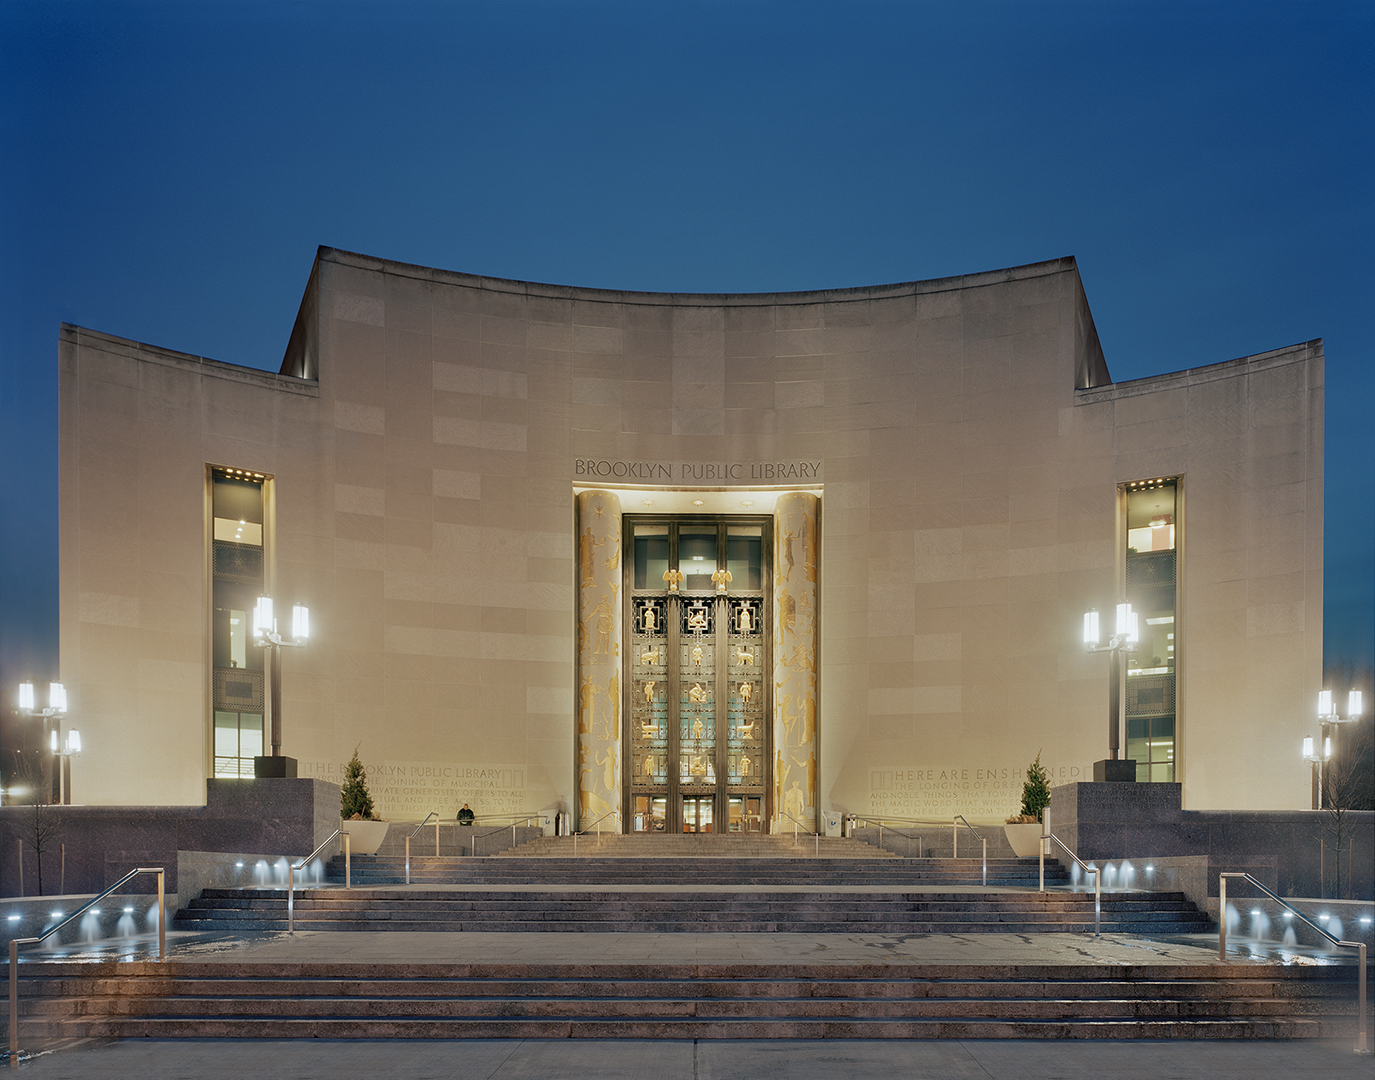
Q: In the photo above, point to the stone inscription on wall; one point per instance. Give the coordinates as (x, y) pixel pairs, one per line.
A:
(408, 790)
(991, 791)
(725, 472)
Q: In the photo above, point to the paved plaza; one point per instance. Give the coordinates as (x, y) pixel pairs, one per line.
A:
(575, 1059)
(725, 948)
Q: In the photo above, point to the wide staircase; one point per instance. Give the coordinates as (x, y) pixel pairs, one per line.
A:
(697, 884)
(644, 1001)
(689, 884)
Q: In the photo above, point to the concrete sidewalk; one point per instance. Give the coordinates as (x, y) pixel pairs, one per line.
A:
(596, 1059)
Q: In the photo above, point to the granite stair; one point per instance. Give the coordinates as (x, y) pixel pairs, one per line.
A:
(645, 1001)
(667, 870)
(691, 909)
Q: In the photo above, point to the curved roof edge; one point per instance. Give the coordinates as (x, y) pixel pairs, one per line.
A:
(627, 296)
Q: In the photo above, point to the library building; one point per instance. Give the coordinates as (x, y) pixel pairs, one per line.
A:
(690, 563)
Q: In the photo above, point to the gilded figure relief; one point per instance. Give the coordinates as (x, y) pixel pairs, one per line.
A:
(613, 707)
(789, 718)
(697, 619)
(587, 556)
(697, 729)
(673, 578)
(608, 761)
(599, 630)
(605, 615)
(697, 694)
(794, 701)
(589, 693)
(721, 578)
(787, 613)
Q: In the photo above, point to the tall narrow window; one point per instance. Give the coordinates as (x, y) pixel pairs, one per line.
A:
(1152, 564)
(237, 564)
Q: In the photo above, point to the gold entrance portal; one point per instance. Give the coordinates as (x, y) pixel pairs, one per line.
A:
(697, 742)
(697, 668)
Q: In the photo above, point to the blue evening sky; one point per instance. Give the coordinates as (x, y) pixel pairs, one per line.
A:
(170, 168)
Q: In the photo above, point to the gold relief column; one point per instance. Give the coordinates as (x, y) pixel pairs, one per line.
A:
(599, 657)
(794, 654)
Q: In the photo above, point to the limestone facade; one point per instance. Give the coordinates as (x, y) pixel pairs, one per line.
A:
(423, 453)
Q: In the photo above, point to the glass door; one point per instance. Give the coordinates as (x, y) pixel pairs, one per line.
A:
(697, 813)
(746, 814)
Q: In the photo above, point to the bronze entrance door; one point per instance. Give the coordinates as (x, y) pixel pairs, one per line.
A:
(697, 740)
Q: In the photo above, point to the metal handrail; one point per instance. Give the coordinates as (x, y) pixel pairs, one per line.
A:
(432, 814)
(1362, 1041)
(1047, 838)
(516, 821)
(614, 813)
(796, 823)
(511, 817)
(16, 942)
(905, 820)
(955, 841)
(438, 821)
(291, 874)
(880, 823)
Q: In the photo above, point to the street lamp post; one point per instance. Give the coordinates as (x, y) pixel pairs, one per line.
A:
(1328, 718)
(265, 636)
(62, 749)
(1114, 767)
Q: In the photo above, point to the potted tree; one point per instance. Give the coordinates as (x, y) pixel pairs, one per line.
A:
(1023, 829)
(358, 819)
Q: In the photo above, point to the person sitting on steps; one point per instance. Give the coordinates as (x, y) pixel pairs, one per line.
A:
(466, 815)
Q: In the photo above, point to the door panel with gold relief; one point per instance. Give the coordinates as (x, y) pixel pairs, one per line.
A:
(697, 697)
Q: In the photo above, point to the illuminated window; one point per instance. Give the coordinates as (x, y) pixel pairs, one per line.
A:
(1152, 572)
(237, 558)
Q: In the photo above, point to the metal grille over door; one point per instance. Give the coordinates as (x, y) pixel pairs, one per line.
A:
(697, 744)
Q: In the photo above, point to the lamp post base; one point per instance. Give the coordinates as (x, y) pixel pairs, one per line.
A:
(1118, 771)
(267, 768)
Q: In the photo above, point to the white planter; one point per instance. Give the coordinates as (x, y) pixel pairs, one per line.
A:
(365, 837)
(1024, 838)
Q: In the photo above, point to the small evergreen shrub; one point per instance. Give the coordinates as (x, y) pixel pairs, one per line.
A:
(1036, 791)
(355, 802)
